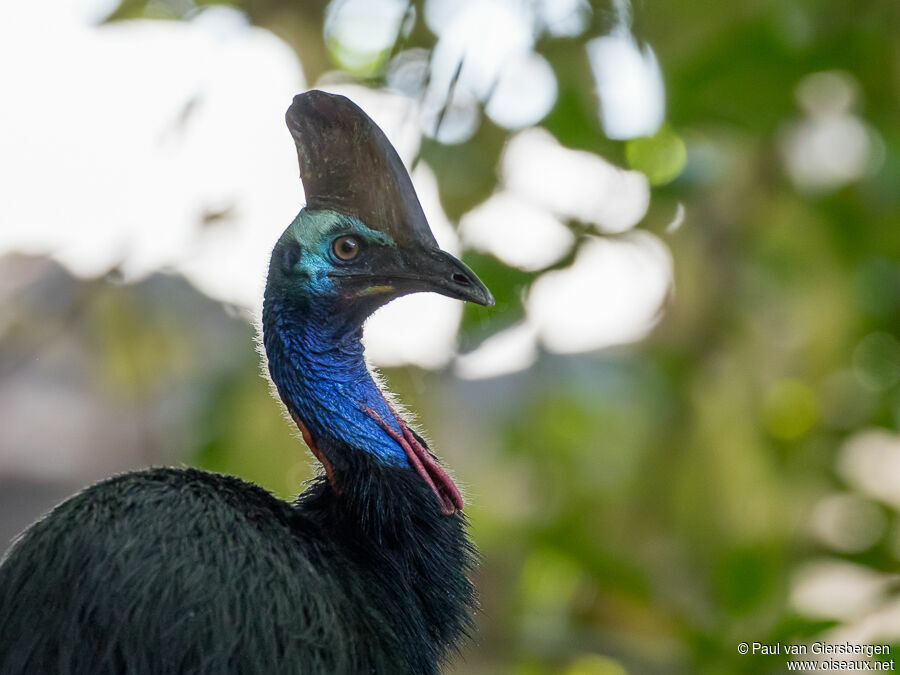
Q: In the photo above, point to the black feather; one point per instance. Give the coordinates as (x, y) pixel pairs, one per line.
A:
(182, 571)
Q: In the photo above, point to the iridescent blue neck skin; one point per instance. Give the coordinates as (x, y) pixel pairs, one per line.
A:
(322, 377)
(313, 344)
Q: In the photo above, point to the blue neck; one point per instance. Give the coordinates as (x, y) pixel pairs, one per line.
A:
(316, 360)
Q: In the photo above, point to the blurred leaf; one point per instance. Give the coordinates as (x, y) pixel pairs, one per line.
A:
(790, 409)
(660, 157)
(745, 578)
(595, 664)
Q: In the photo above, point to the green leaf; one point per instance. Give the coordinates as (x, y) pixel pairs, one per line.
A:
(660, 157)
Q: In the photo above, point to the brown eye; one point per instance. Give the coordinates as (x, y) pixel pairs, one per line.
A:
(346, 247)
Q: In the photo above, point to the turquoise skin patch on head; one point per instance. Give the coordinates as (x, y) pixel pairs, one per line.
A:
(315, 231)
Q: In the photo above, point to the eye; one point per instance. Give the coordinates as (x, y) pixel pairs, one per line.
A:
(346, 247)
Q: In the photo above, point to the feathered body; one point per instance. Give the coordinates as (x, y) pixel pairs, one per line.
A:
(170, 571)
(182, 571)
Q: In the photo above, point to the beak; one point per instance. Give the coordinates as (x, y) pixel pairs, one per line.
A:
(394, 272)
(440, 272)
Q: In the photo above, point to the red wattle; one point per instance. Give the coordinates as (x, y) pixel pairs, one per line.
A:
(425, 465)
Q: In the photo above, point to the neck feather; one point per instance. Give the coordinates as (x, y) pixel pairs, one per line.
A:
(419, 559)
(316, 361)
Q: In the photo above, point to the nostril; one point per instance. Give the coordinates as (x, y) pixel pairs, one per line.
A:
(461, 279)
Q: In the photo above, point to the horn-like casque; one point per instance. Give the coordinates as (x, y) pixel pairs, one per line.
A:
(348, 165)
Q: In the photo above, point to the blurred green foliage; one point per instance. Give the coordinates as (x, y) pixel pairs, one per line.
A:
(645, 509)
(660, 157)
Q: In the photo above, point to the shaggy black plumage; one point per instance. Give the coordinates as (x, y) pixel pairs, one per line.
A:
(182, 571)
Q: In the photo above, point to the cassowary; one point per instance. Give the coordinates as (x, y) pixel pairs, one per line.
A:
(182, 571)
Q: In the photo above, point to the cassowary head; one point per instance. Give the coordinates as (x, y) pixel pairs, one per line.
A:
(362, 239)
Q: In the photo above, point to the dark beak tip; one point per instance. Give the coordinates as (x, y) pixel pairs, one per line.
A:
(468, 286)
(487, 300)
(443, 273)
